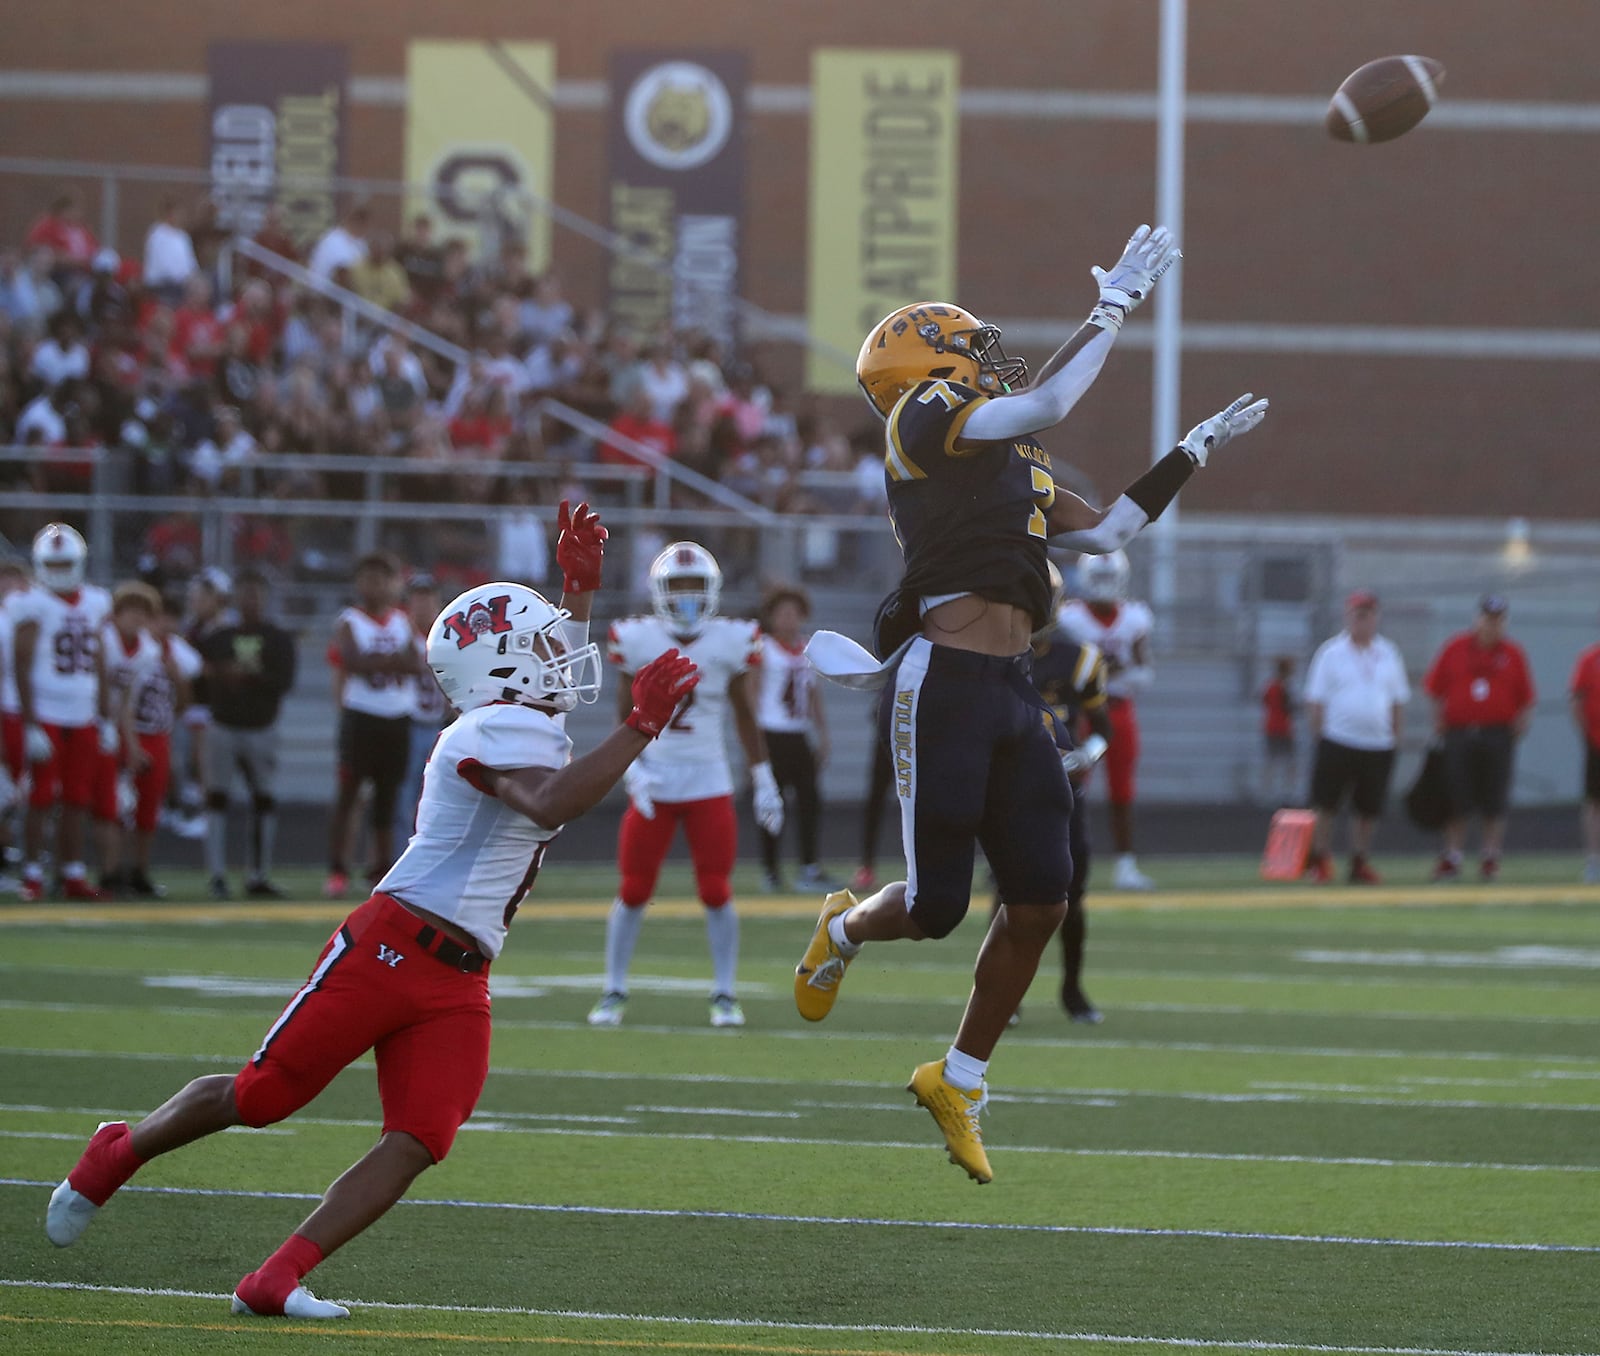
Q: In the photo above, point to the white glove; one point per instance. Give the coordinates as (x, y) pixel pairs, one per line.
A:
(1085, 756)
(1148, 255)
(107, 731)
(8, 790)
(127, 799)
(1240, 417)
(768, 799)
(640, 786)
(36, 745)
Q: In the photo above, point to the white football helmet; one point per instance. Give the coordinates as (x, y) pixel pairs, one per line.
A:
(685, 586)
(59, 556)
(503, 643)
(1104, 579)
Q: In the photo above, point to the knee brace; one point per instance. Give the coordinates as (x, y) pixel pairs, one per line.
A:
(216, 800)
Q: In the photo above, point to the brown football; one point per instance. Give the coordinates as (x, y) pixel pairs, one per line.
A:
(1384, 99)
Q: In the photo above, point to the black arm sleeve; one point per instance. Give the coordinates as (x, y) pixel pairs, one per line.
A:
(1159, 486)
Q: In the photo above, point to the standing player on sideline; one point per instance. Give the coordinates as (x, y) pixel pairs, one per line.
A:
(406, 975)
(685, 775)
(973, 502)
(1105, 617)
(373, 650)
(13, 579)
(427, 704)
(62, 699)
(789, 711)
(128, 649)
(206, 607)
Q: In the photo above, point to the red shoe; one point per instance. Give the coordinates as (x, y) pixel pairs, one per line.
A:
(1319, 870)
(1447, 868)
(1489, 869)
(1363, 874)
(337, 886)
(864, 879)
(32, 890)
(76, 887)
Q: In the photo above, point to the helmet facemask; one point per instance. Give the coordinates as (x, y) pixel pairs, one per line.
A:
(984, 346)
(567, 677)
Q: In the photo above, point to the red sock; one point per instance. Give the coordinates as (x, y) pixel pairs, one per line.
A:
(107, 1162)
(267, 1287)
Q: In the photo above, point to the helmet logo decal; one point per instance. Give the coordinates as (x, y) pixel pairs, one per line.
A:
(484, 617)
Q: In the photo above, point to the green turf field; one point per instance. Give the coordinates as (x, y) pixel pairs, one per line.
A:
(1313, 1120)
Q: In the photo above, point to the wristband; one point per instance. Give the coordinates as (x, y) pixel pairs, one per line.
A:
(1108, 316)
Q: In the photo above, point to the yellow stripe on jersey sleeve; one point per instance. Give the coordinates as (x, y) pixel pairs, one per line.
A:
(895, 460)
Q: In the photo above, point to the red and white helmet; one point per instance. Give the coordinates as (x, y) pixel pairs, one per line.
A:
(59, 556)
(685, 586)
(503, 643)
(1104, 579)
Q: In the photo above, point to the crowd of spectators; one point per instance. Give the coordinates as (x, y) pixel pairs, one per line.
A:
(184, 376)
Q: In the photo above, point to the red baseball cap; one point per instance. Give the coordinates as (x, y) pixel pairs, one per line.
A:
(1362, 598)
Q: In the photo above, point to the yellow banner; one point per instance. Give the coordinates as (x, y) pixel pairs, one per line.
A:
(884, 137)
(480, 126)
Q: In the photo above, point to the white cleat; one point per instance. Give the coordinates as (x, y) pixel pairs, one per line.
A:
(300, 1304)
(608, 1011)
(1127, 876)
(725, 1011)
(68, 1215)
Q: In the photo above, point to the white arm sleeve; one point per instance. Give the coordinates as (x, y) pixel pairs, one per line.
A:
(575, 634)
(1123, 522)
(1044, 405)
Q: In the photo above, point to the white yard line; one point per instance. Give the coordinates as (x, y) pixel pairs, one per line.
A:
(873, 1222)
(778, 1325)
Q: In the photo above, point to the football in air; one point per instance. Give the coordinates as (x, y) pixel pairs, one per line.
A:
(1384, 99)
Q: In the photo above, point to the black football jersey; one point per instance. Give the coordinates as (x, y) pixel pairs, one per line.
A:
(968, 519)
(1069, 675)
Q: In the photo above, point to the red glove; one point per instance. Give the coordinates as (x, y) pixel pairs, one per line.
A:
(580, 548)
(659, 688)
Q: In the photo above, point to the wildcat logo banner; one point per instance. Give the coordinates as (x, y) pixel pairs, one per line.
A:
(480, 132)
(677, 188)
(884, 171)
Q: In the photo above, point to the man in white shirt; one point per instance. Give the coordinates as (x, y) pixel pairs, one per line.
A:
(344, 246)
(1356, 691)
(169, 258)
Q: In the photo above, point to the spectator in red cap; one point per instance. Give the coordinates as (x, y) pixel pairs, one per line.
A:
(1483, 698)
(1586, 715)
(1356, 692)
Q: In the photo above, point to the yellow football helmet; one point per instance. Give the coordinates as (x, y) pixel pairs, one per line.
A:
(933, 339)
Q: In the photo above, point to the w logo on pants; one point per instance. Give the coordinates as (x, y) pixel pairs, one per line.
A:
(389, 956)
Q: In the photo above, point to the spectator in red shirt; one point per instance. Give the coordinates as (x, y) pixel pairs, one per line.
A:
(1279, 774)
(62, 229)
(1483, 699)
(197, 334)
(1586, 715)
(637, 421)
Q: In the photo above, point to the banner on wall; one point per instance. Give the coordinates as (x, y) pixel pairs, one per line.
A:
(277, 117)
(677, 188)
(480, 133)
(884, 150)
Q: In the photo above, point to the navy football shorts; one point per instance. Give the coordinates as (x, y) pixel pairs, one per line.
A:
(975, 763)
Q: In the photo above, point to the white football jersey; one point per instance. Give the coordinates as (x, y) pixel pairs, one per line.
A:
(783, 703)
(155, 697)
(378, 694)
(471, 859)
(1115, 636)
(427, 702)
(688, 760)
(9, 700)
(125, 666)
(66, 684)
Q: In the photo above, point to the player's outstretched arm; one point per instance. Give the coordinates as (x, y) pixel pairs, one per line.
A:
(580, 552)
(552, 797)
(1072, 370)
(1078, 526)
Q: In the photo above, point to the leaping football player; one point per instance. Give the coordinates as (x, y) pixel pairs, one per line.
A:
(973, 503)
(684, 776)
(1104, 615)
(406, 974)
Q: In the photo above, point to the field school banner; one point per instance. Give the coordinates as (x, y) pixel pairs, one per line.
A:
(480, 134)
(884, 172)
(277, 115)
(676, 188)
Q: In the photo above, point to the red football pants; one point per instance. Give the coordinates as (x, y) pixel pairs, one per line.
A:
(713, 834)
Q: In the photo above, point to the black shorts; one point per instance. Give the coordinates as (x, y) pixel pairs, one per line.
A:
(1363, 774)
(1477, 764)
(975, 762)
(375, 749)
(1591, 774)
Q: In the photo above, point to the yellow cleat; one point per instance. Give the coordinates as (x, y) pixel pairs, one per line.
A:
(817, 977)
(956, 1114)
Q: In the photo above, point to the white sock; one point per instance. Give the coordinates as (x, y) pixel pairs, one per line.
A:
(622, 931)
(722, 932)
(74, 871)
(1127, 862)
(962, 1071)
(847, 948)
